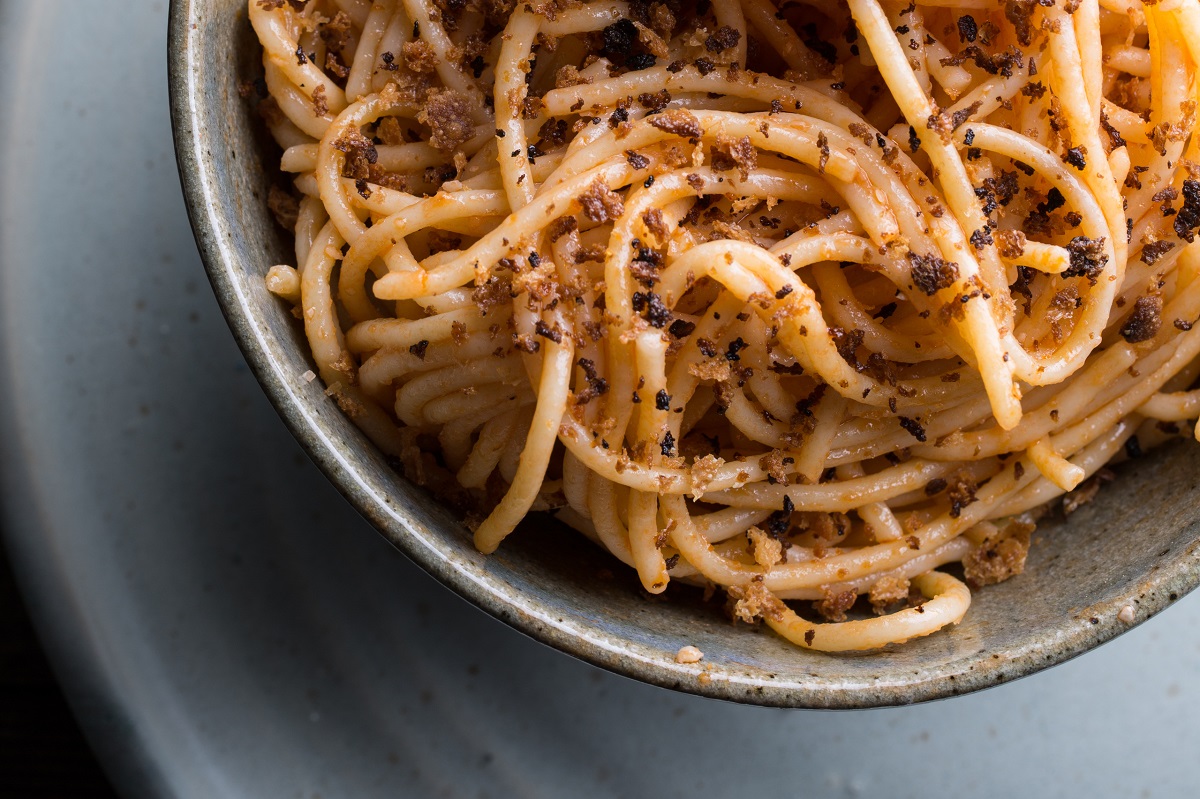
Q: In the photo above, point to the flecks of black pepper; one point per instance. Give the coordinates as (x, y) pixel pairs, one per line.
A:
(913, 427)
(1133, 447)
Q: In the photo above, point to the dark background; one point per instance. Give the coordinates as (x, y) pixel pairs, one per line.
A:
(42, 751)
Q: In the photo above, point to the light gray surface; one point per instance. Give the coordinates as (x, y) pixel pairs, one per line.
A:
(227, 626)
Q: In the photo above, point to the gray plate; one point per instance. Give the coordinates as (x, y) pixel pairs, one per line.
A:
(1136, 545)
(227, 626)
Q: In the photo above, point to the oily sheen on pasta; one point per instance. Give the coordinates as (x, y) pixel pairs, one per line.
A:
(802, 300)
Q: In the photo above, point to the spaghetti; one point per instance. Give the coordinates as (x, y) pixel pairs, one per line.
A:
(803, 300)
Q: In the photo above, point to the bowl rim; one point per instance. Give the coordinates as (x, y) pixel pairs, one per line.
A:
(581, 639)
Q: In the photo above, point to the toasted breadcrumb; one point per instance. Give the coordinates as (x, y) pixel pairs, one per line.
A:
(448, 115)
(600, 203)
(320, 102)
(1000, 556)
(679, 122)
(1143, 324)
(767, 551)
(713, 369)
(730, 153)
(886, 592)
(753, 601)
(1010, 242)
(773, 464)
(835, 604)
(419, 56)
(703, 471)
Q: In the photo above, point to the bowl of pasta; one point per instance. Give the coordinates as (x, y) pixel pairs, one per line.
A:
(810, 354)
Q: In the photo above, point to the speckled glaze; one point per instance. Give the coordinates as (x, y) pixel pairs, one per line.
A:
(1135, 545)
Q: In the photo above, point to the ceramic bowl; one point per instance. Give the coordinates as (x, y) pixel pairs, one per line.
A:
(1135, 545)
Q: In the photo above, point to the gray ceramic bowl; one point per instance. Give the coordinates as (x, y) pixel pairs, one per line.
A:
(1135, 545)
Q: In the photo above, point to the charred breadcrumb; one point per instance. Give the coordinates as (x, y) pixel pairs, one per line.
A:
(967, 32)
(652, 308)
(1021, 287)
(1036, 91)
(1188, 218)
(914, 428)
(596, 386)
(996, 192)
(655, 101)
(981, 238)
(1154, 250)
(1143, 324)
(847, 344)
(723, 39)
(645, 266)
(548, 331)
(1076, 157)
(681, 328)
(931, 273)
(994, 64)
(1087, 258)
